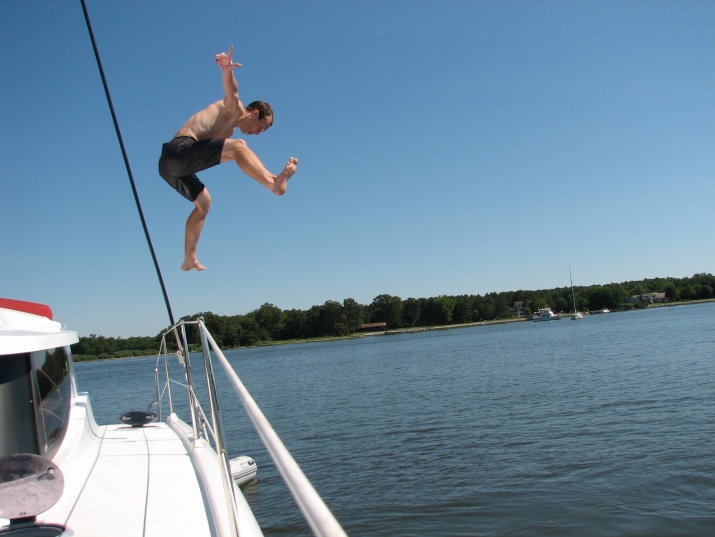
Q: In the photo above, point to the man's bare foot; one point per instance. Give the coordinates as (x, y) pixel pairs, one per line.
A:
(281, 182)
(192, 265)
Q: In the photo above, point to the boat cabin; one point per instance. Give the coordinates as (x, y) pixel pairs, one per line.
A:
(35, 382)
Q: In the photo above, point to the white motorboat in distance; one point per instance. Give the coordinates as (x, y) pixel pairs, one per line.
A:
(545, 314)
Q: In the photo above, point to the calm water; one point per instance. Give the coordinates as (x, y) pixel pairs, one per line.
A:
(596, 427)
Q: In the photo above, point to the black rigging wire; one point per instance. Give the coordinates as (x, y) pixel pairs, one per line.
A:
(126, 163)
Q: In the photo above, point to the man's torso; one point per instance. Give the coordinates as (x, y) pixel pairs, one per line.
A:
(214, 121)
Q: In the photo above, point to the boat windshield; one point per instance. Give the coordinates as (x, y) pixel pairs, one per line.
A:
(35, 394)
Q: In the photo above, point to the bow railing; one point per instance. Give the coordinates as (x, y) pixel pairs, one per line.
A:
(317, 514)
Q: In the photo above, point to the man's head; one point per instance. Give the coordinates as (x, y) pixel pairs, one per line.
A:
(260, 118)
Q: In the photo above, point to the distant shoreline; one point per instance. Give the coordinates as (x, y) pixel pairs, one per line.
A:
(417, 329)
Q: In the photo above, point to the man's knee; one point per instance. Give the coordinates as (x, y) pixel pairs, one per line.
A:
(203, 201)
(232, 149)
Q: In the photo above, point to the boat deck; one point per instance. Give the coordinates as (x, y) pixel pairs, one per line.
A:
(140, 481)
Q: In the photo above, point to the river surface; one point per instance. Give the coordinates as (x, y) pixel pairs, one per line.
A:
(600, 427)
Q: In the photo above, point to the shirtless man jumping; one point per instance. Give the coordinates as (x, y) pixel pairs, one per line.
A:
(205, 141)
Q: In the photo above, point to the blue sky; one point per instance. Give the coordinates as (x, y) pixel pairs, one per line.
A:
(457, 147)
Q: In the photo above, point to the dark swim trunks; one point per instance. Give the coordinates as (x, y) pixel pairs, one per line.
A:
(183, 157)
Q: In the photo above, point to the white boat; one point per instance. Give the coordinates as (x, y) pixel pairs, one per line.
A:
(545, 314)
(62, 474)
(575, 315)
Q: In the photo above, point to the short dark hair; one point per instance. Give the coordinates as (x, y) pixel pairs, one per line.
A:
(264, 109)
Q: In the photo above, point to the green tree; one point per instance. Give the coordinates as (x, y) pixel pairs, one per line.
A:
(610, 297)
(439, 311)
(485, 307)
(386, 309)
(581, 303)
(411, 310)
(270, 319)
(538, 301)
(332, 319)
(562, 304)
(463, 311)
(251, 331)
(705, 291)
(295, 325)
(636, 290)
(232, 334)
(353, 314)
(502, 310)
(688, 292)
(671, 292)
(312, 322)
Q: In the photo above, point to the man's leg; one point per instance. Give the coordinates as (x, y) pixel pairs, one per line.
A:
(247, 160)
(194, 225)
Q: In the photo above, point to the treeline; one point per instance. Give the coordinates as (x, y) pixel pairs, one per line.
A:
(269, 323)
(97, 347)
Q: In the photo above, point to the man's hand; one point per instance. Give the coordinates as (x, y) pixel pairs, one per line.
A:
(230, 86)
(225, 61)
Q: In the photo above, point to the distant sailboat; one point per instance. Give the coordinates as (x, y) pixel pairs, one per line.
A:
(575, 315)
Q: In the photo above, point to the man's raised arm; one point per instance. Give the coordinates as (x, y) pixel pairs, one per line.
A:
(230, 86)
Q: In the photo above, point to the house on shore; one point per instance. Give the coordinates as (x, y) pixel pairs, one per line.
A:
(648, 298)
